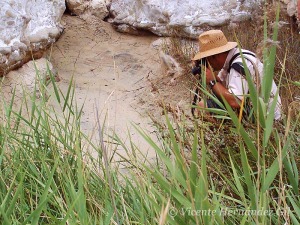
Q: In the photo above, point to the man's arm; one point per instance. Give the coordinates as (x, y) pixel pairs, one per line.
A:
(219, 90)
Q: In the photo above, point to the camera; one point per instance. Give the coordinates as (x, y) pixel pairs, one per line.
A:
(197, 68)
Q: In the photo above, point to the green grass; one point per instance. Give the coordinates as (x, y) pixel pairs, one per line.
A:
(47, 176)
(234, 173)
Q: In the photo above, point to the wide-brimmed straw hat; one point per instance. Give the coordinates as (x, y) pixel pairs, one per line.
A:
(213, 42)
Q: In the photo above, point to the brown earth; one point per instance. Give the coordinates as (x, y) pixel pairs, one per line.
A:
(119, 75)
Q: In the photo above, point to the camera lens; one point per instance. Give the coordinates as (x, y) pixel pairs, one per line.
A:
(196, 70)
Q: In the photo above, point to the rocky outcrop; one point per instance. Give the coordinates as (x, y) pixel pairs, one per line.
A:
(293, 9)
(27, 28)
(186, 18)
(83, 8)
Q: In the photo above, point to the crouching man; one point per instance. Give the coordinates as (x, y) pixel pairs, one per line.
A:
(231, 82)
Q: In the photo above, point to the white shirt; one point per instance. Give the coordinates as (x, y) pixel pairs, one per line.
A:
(237, 84)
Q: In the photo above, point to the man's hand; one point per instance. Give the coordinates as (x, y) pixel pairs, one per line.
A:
(209, 76)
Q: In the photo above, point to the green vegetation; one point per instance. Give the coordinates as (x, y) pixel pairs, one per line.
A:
(236, 174)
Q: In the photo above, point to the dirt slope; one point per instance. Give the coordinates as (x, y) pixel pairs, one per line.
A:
(113, 72)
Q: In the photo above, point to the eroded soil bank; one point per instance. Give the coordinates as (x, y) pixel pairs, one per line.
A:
(118, 76)
(110, 71)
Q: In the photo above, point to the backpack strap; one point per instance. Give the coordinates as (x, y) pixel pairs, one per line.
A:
(238, 66)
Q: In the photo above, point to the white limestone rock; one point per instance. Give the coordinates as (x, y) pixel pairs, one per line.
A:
(291, 7)
(187, 18)
(83, 8)
(27, 27)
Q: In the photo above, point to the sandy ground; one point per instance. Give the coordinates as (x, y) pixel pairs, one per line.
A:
(110, 72)
(118, 75)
